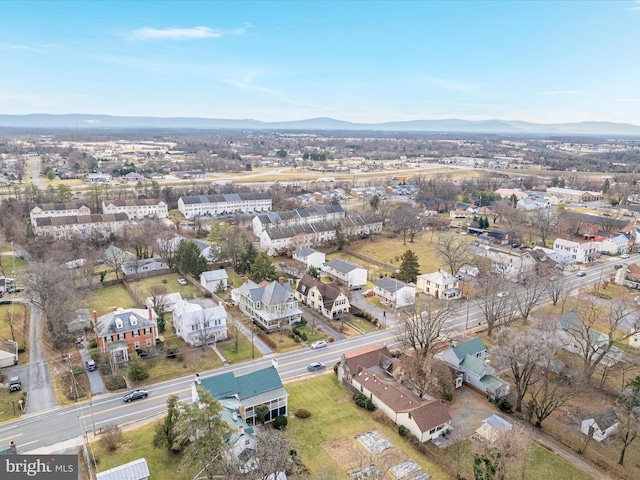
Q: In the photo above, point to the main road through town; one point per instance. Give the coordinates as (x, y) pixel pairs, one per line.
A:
(58, 425)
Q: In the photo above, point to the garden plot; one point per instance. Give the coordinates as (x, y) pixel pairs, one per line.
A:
(374, 442)
(404, 469)
(364, 473)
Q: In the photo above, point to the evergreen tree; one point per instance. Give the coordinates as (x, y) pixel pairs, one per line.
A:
(409, 267)
(189, 260)
(262, 268)
(247, 256)
(165, 436)
(340, 237)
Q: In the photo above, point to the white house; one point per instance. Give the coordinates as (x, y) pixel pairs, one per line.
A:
(439, 284)
(600, 425)
(309, 257)
(510, 264)
(58, 210)
(142, 266)
(302, 216)
(471, 360)
(226, 203)
(577, 338)
(137, 208)
(585, 252)
(352, 275)
(213, 279)
(396, 292)
(197, 325)
(96, 225)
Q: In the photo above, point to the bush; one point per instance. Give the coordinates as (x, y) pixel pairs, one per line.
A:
(115, 382)
(111, 438)
(369, 405)
(504, 405)
(172, 351)
(77, 370)
(302, 413)
(363, 401)
(304, 337)
(296, 339)
(402, 430)
(280, 422)
(93, 343)
(137, 369)
(448, 396)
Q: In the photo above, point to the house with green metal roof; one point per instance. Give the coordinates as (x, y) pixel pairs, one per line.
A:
(470, 359)
(262, 387)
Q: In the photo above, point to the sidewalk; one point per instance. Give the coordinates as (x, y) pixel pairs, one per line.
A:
(262, 347)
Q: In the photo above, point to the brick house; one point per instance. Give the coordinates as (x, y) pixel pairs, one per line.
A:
(122, 331)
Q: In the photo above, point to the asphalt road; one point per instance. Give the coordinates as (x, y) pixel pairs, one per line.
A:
(40, 428)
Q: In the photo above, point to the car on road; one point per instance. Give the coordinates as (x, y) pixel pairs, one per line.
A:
(315, 366)
(135, 395)
(502, 294)
(624, 255)
(353, 288)
(318, 344)
(368, 293)
(617, 266)
(91, 365)
(182, 281)
(581, 274)
(15, 385)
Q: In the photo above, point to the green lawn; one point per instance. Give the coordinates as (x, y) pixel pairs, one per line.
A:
(6, 405)
(363, 324)
(334, 416)
(228, 348)
(138, 444)
(169, 282)
(104, 300)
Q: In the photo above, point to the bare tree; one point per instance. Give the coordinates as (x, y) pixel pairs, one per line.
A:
(629, 414)
(530, 296)
(406, 222)
(556, 287)
(544, 223)
(514, 446)
(115, 259)
(423, 326)
(521, 352)
(546, 395)
(494, 302)
(619, 321)
(452, 250)
(167, 245)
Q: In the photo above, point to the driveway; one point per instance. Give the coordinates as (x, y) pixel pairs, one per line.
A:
(39, 385)
(95, 379)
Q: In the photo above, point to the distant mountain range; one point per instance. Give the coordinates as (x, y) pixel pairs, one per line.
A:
(84, 121)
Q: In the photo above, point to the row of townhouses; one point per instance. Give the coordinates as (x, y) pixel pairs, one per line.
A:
(228, 203)
(301, 216)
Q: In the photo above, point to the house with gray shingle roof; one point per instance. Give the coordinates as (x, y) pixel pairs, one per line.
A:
(601, 424)
(440, 284)
(309, 256)
(247, 392)
(396, 292)
(212, 279)
(198, 205)
(326, 298)
(144, 265)
(470, 359)
(271, 306)
(350, 273)
(136, 470)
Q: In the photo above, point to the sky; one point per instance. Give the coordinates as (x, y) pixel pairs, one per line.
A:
(359, 61)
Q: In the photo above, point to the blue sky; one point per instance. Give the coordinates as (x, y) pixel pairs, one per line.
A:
(360, 61)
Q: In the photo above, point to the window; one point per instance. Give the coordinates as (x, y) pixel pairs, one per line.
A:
(136, 345)
(206, 324)
(136, 333)
(121, 336)
(148, 342)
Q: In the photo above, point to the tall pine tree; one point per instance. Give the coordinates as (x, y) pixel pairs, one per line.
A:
(409, 267)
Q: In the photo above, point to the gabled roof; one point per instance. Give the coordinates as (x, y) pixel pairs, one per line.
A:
(440, 277)
(470, 347)
(391, 285)
(342, 266)
(211, 275)
(368, 358)
(605, 418)
(474, 365)
(498, 423)
(274, 293)
(136, 470)
(244, 386)
(304, 252)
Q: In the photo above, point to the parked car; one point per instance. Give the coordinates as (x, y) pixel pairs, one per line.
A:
(353, 288)
(15, 385)
(368, 293)
(182, 281)
(624, 255)
(135, 395)
(318, 344)
(581, 274)
(503, 294)
(315, 366)
(617, 266)
(91, 365)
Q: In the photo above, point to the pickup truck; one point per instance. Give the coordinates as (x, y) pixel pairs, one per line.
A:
(15, 385)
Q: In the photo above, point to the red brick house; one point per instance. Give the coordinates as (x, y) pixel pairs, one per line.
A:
(122, 331)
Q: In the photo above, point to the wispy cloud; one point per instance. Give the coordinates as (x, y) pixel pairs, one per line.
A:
(445, 83)
(560, 92)
(13, 46)
(636, 5)
(193, 33)
(627, 100)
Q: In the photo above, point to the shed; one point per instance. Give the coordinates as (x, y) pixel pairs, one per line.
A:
(601, 424)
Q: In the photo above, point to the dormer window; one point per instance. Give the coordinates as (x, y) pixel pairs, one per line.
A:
(119, 323)
(133, 319)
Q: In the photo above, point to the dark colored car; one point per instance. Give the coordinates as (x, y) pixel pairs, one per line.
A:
(315, 366)
(135, 395)
(617, 266)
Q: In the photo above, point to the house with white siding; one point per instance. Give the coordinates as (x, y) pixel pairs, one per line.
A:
(137, 208)
(440, 285)
(351, 274)
(326, 298)
(309, 257)
(67, 209)
(272, 306)
(227, 203)
(396, 292)
(581, 252)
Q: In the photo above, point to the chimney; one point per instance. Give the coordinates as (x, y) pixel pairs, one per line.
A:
(241, 410)
(115, 309)
(150, 313)
(246, 279)
(281, 280)
(95, 317)
(454, 344)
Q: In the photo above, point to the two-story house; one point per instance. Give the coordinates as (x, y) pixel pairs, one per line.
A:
(272, 306)
(351, 274)
(123, 331)
(396, 292)
(439, 284)
(200, 325)
(585, 252)
(309, 257)
(326, 298)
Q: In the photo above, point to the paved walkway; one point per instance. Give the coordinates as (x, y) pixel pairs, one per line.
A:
(39, 387)
(320, 321)
(95, 379)
(262, 347)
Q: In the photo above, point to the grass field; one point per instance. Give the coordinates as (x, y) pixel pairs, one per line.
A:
(168, 281)
(104, 299)
(244, 351)
(21, 322)
(334, 416)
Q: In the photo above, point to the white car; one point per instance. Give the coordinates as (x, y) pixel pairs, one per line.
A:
(318, 344)
(624, 255)
(503, 294)
(182, 281)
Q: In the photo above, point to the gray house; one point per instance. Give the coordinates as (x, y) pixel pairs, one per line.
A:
(141, 266)
(211, 280)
